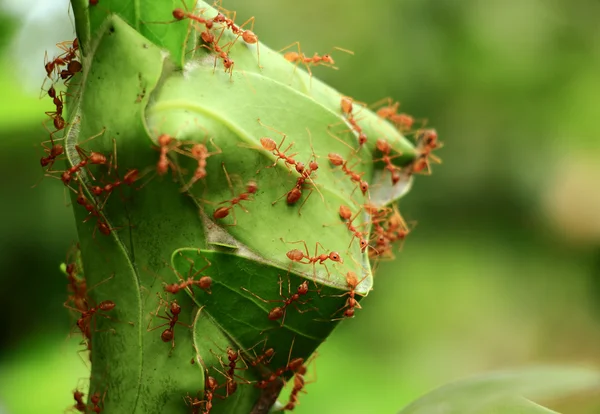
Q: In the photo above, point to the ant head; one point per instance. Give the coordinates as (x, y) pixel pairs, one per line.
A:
(328, 59)
(363, 245)
(252, 187)
(335, 256)
(313, 165)
(52, 92)
(383, 145)
(211, 383)
(362, 138)
(228, 63)
(395, 177)
(364, 187)
(164, 140)
(75, 43)
(71, 268)
(300, 167)
(303, 288)
(175, 308)
(178, 14)
(44, 161)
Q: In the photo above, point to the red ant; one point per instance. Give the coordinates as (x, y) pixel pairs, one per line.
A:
(210, 386)
(264, 358)
(346, 215)
(295, 193)
(200, 153)
(337, 160)
(248, 36)
(299, 383)
(94, 212)
(279, 312)
(299, 256)
(271, 146)
(95, 400)
(292, 365)
(172, 311)
(56, 116)
(351, 302)
(222, 212)
(427, 141)
(129, 178)
(83, 323)
(204, 282)
(79, 403)
(403, 122)
(316, 60)
(166, 144)
(386, 148)
(72, 69)
(55, 151)
(347, 108)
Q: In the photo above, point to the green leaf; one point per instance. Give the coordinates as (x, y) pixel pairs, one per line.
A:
(162, 230)
(503, 392)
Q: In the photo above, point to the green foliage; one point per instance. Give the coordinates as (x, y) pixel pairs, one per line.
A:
(504, 392)
(162, 230)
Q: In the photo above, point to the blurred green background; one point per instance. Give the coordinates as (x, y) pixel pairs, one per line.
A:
(503, 268)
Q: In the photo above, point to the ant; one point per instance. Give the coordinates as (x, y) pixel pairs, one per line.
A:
(427, 141)
(351, 302)
(79, 404)
(295, 193)
(95, 400)
(299, 383)
(346, 215)
(337, 160)
(248, 36)
(55, 151)
(279, 312)
(204, 282)
(73, 67)
(271, 146)
(200, 153)
(83, 323)
(299, 256)
(316, 60)
(166, 144)
(403, 122)
(347, 108)
(129, 178)
(172, 310)
(292, 365)
(264, 358)
(210, 386)
(386, 149)
(222, 212)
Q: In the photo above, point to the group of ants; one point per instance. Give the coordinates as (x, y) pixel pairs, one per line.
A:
(388, 226)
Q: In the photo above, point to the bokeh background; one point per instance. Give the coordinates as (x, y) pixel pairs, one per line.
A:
(503, 268)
